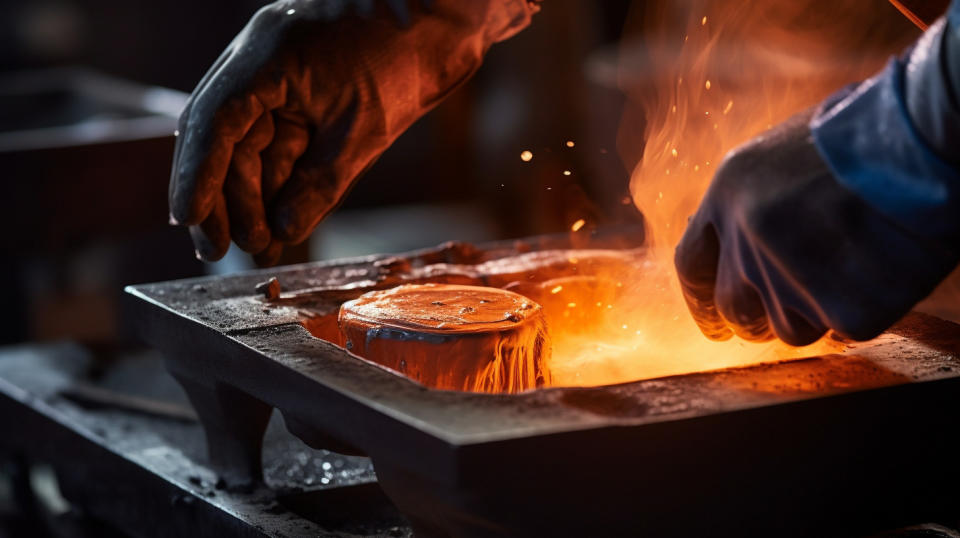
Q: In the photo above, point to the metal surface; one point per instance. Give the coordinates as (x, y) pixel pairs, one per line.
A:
(146, 475)
(852, 442)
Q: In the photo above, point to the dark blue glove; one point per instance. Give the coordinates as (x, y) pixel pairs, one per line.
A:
(842, 218)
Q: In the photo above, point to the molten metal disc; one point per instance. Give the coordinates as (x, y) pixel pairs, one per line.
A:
(451, 336)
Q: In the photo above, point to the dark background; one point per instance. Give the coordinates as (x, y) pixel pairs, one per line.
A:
(79, 223)
(83, 222)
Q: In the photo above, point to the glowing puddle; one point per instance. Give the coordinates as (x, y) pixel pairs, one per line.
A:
(618, 318)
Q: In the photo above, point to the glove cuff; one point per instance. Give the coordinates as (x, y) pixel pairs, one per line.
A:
(929, 95)
(867, 136)
(952, 48)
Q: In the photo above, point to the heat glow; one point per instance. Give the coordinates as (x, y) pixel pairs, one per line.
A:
(703, 77)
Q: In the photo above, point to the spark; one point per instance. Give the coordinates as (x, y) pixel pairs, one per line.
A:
(577, 225)
(726, 109)
(526, 156)
(674, 152)
(571, 305)
(556, 290)
(707, 85)
(703, 21)
(566, 172)
(570, 143)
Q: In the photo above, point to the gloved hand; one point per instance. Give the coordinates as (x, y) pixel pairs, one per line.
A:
(779, 248)
(304, 99)
(841, 218)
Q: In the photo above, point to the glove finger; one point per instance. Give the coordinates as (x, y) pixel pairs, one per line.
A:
(308, 196)
(696, 261)
(180, 148)
(795, 329)
(198, 153)
(194, 190)
(201, 163)
(740, 305)
(205, 81)
(290, 140)
(211, 238)
(269, 256)
(784, 302)
(270, 83)
(248, 221)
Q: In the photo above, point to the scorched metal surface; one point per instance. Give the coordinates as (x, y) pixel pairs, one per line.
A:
(853, 442)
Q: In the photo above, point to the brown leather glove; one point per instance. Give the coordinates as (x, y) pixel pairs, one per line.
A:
(304, 99)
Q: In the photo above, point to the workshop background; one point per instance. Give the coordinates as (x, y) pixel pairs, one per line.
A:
(90, 91)
(102, 218)
(89, 95)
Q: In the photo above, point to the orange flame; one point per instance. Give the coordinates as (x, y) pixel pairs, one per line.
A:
(703, 77)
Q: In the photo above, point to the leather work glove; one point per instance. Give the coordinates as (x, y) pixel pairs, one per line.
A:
(843, 217)
(305, 98)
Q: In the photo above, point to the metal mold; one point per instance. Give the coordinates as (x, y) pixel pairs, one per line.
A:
(127, 467)
(852, 442)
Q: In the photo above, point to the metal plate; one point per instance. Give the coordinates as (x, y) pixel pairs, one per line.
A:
(851, 442)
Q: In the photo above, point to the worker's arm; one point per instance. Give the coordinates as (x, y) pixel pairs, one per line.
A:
(844, 217)
(305, 98)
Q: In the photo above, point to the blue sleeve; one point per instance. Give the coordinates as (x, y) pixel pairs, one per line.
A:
(953, 30)
(902, 158)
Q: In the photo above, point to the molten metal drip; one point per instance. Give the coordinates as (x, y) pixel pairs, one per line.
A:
(519, 363)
